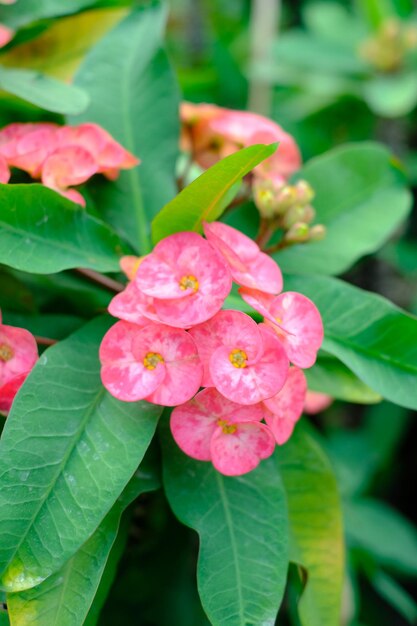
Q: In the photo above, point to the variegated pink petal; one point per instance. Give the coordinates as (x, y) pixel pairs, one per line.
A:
(123, 371)
(236, 452)
(68, 166)
(255, 381)
(133, 306)
(9, 391)
(18, 352)
(230, 329)
(285, 408)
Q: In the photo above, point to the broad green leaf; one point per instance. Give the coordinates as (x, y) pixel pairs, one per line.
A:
(64, 598)
(371, 336)
(59, 50)
(141, 112)
(383, 533)
(358, 199)
(242, 526)
(44, 91)
(315, 519)
(330, 376)
(32, 10)
(203, 199)
(392, 96)
(395, 595)
(44, 233)
(67, 451)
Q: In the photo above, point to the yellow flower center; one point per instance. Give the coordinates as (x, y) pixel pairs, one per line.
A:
(6, 353)
(189, 282)
(228, 429)
(238, 358)
(278, 320)
(152, 359)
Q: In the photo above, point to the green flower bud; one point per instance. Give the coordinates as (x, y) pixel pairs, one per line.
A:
(298, 233)
(317, 232)
(305, 192)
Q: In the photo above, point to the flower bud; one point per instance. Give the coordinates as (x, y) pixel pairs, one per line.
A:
(298, 214)
(287, 197)
(265, 198)
(298, 233)
(305, 192)
(317, 232)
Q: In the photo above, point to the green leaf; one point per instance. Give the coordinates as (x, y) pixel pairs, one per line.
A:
(315, 527)
(44, 325)
(358, 199)
(44, 91)
(395, 595)
(58, 601)
(330, 376)
(383, 533)
(141, 112)
(392, 96)
(242, 525)
(203, 199)
(68, 450)
(374, 338)
(44, 233)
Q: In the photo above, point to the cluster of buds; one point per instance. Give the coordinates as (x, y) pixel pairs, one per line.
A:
(173, 338)
(62, 156)
(387, 49)
(18, 354)
(288, 207)
(6, 33)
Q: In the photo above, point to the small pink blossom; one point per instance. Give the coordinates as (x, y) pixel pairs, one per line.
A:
(18, 354)
(26, 146)
(133, 306)
(4, 170)
(67, 167)
(6, 35)
(108, 155)
(316, 402)
(154, 362)
(245, 362)
(294, 318)
(212, 428)
(249, 266)
(283, 410)
(187, 278)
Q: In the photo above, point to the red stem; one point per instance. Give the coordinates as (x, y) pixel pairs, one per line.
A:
(100, 279)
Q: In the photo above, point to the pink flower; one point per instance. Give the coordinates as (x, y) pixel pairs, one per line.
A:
(316, 402)
(129, 265)
(283, 410)
(244, 361)
(67, 167)
(133, 306)
(212, 428)
(4, 170)
(211, 133)
(26, 146)
(153, 362)
(294, 318)
(187, 278)
(249, 266)
(18, 354)
(6, 35)
(108, 155)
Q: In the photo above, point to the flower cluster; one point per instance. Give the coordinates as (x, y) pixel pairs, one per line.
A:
(18, 354)
(62, 156)
(174, 338)
(211, 133)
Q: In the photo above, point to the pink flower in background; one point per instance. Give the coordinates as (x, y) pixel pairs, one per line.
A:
(154, 362)
(4, 170)
(212, 428)
(246, 363)
(212, 132)
(18, 354)
(129, 264)
(6, 35)
(187, 278)
(249, 266)
(316, 402)
(109, 156)
(294, 318)
(283, 410)
(67, 167)
(26, 146)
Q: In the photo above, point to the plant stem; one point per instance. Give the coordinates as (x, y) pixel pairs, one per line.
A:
(102, 280)
(45, 341)
(263, 31)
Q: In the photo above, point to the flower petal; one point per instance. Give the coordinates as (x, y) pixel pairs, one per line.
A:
(133, 306)
(285, 408)
(239, 452)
